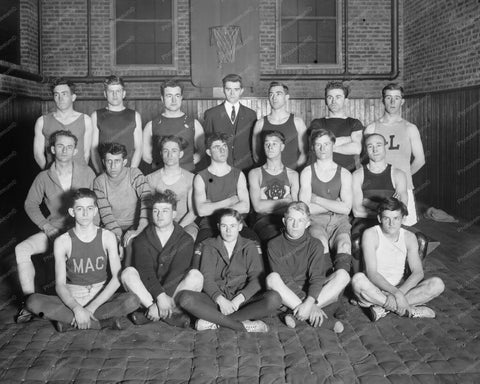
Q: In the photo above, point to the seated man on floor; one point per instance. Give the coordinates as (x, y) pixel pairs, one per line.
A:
(272, 187)
(171, 176)
(299, 271)
(84, 257)
(374, 182)
(232, 269)
(51, 187)
(162, 257)
(383, 287)
(123, 195)
(217, 187)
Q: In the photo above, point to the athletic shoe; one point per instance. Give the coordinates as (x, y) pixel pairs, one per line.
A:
(340, 312)
(203, 325)
(376, 312)
(422, 312)
(114, 323)
(290, 321)
(23, 316)
(180, 320)
(61, 326)
(138, 318)
(255, 326)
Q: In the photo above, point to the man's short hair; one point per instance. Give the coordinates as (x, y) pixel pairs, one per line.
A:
(229, 212)
(278, 84)
(113, 80)
(215, 136)
(233, 78)
(319, 133)
(170, 84)
(57, 134)
(81, 193)
(299, 206)
(337, 85)
(182, 143)
(167, 196)
(375, 134)
(114, 149)
(392, 204)
(392, 87)
(62, 81)
(275, 133)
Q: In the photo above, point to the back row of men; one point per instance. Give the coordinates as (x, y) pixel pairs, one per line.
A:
(122, 192)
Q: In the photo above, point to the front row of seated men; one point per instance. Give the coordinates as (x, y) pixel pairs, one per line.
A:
(230, 265)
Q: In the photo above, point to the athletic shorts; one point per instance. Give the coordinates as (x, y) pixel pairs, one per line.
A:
(84, 294)
(328, 226)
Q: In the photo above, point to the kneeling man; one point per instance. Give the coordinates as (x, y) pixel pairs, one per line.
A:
(232, 268)
(84, 257)
(299, 271)
(386, 248)
(162, 257)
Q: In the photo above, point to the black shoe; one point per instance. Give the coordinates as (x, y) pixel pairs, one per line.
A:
(340, 312)
(23, 315)
(61, 327)
(180, 320)
(138, 318)
(114, 323)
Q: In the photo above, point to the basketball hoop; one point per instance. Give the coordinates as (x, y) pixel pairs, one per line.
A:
(224, 37)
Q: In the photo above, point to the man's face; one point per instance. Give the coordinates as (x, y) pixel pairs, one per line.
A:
(64, 149)
(63, 97)
(273, 147)
(375, 148)
(115, 95)
(83, 210)
(323, 147)
(229, 228)
(218, 151)
(233, 91)
(335, 100)
(296, 222)
(163, 215)
(172, 98)
(391, 221)
(171, 153)
(393, 101)
(277, 97)
(114, 164)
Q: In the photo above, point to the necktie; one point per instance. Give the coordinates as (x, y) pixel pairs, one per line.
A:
(233, 115)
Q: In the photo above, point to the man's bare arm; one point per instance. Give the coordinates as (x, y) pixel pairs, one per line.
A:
(302, 146)
(147, 143)
(414, 262)
(256, 144)
(352, 146)
(39, 144)
(87, 140)
(137, 141)
(203, 205)
(417, 149)
(95, 155)
(199, 139)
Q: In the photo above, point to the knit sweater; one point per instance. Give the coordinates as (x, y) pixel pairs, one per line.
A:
(47, 188)
(123, 201)
(231, 276)
(300, 263)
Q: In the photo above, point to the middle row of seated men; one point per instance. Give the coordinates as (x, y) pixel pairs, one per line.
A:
(122, 192)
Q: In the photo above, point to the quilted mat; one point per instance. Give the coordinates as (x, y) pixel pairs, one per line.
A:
(393, 350)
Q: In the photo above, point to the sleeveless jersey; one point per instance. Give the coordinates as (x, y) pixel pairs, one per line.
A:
(330, 189)
(275, 187)
(399, 149)
(116, 127)
(391, 256)
(77, 127)
(219, 188)
(184, 127)
(290, 153)
(377, 186)
(87, 263)
(180, 187)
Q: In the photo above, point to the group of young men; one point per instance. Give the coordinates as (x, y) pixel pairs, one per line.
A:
(191, 244)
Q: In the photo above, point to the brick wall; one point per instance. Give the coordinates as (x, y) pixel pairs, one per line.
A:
(64, 40)
(29, 35)
(442, 44)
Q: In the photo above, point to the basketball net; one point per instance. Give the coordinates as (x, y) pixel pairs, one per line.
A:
(224, 37)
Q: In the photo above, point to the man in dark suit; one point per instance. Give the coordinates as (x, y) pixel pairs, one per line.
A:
(235, 120)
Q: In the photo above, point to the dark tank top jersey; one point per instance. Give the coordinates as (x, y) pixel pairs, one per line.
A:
(116, 127)
(87, 263)
(276, 186)
(184, 127)
(290, 153)
(330, 189)
(219, 188)
(377, 186)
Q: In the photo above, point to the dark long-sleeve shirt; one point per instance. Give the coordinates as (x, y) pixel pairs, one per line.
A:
(300, 263)
(230, 277)
(161, 268)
